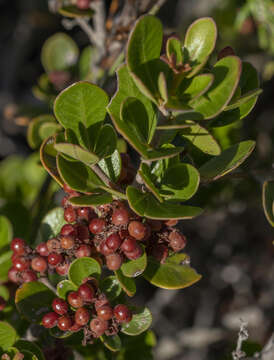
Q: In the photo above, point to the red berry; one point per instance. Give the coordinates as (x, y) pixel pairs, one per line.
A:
(70, 214)
(55, 259)
(53, 245)
(160, 252)
(39, 264)
(67, 242)
(97, 225)
(75, 327)
(50, 320)
(14, 257)
(21, 264)
(75, 300)
(137, 230)
(83, 251)
(2, 303)
(82, 316)
(64, 323)
(59, 306)
(105, 312)
(171, 222)
(83, 4)
(129, 244)
(120, 217)
(18, 246)
(83, 213)
(98, 326)
(62, 269)
(82, 232)
(177, 241)
(102, 300)
(42, 249)
(114, 261)
(14, 276)
(86, 292)
(113, 242)
(29, 276)
(122, 313)
(135, 254)
(104, 249)
(68, 230)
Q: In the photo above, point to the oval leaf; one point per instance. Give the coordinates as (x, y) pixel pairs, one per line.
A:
(82, 268)
(111, 287)
(33, 135)
(106, 141)
(73, 11)
(227, 161)
(64, 287)
(112, 166)
(5, 265)
(48, 159)
(51, 224)
(33, 300)
(141, 321)
(91, 200)
(6, 232)
(113, 343)
(8, 335)
(134, 268)
(268, 201)
(77, 153)
(170, 275)
(128, 284)
(23, 345)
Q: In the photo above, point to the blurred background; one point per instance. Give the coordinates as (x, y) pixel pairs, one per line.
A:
(230, 245)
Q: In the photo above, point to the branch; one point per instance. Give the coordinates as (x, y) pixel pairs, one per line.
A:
(157, 7)
(84, 25)
(242, 336)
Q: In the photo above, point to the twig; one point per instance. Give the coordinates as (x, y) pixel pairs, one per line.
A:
(99, 21)
(157, 7)
(242, 336)
(46, 282)
(86, 27)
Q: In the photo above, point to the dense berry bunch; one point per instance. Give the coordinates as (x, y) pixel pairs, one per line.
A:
(89, 310)
(110, 233)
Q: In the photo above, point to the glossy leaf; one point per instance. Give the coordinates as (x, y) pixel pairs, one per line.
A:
(106, 141)
(79, 177)
(77, 153)
(144, 204)
(6, 232)
(33, 300)
(59, 334)
(111, 287)
(64, 287)
(191, 89)
(5, 265)
(174, 50)
(91, 200)
(82, 268)
(134, 268)
(141, 321)
(113, 343)
(199, 43)
(73, 11)
(8, 335)
(49, 129)
(51, 224)
(199, 137)
(84, 64)
(128, 284)
(180, 182)
(23, 345)
(48, 159)
(268, 201)
(79, 107)
(170, 275)
(112, 166)
(146, 175)
(4, 292)
(227, 161)
(59, 53)
(226, 73)
(33, 135)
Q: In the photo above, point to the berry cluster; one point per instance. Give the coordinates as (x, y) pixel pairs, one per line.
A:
(110, 233)
(89, 310)
(83, 4)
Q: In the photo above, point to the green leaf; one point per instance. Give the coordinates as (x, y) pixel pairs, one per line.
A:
(174, 49)
(6, 232)
(112, 166)
(81, 107)
(141, 321)
(111, 287)
(5, 265)
(23, 345)
(33, 135)
(113, 343)
(79, 177)
(170, 275)
(48, 159)
(28, 355)
(59, 52)
(226, 73)
(33, 300)
(199, 137)
(106, 141)
(82, 268)
(4, 292)
(73, 11)
(8, 335)
(134, 268)
(162, 86)
(59, 334)
(77, 153)
(191, 89)
(51, 224)
(49, 129)
(84, 65)
(146, 175)
(126, 89)
(145, 41)
(180, 182)
(227, 161)
(144, 204)
(268, 201)
(244, 99)
(64, 287)
(91, 200)
(128, 284)
(199, 43)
